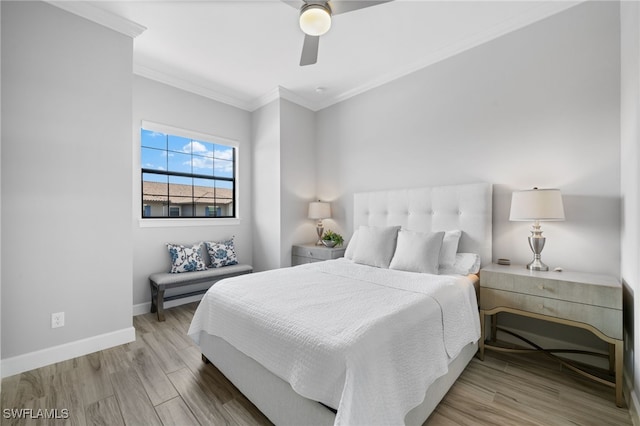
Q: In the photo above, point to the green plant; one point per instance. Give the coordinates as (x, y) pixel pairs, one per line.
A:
(329, 235)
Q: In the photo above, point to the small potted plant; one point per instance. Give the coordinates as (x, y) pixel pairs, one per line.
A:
(331, 239)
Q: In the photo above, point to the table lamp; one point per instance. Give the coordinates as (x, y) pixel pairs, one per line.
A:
(537, 205)
(319, 210)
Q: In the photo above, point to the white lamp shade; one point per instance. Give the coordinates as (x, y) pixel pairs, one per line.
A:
(315, 20)
(537, 204)
(319, 210)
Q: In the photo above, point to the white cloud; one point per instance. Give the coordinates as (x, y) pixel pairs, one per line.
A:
(153, 166)
(198, 148)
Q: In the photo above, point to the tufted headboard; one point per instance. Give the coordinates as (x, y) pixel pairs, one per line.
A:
(436, 208)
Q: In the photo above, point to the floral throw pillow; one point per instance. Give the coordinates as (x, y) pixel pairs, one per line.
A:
(222, 253)
(186, 259)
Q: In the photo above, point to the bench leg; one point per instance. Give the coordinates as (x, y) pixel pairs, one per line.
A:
(160, 304)
(154, 294)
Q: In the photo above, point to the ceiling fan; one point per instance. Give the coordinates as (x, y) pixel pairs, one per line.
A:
(315, 20)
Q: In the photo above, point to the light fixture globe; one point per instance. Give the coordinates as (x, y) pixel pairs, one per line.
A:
(315, 19)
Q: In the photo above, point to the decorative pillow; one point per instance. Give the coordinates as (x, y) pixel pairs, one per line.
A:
(417, 251)
(465, 264)
(185, 259)
(351, 246)
(449, 247)
(222, 253)
(375, 245)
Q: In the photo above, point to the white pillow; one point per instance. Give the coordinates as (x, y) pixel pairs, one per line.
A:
(417, 251)
(351, 246)
(465, 264)
(375, 245)
(449, 247)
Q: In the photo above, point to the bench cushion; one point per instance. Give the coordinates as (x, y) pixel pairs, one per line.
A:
(168, 279)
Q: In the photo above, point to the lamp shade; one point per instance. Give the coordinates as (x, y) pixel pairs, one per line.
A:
(319, 210)
(537, 204)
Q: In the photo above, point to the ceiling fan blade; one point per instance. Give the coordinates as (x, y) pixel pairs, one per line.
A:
(309, 50)
(338, 7)
(296, 4)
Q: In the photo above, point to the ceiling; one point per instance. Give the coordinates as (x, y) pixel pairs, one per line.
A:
(246, 53)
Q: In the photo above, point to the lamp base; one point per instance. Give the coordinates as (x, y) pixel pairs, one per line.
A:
(537, 265)
(536, 243)
(320, 231)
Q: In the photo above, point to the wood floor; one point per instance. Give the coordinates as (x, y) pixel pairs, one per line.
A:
(160, 379)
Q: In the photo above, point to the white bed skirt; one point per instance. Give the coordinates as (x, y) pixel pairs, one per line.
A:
(277, 400)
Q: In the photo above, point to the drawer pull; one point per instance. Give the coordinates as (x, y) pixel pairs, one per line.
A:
(541, 286)
(310, 254)
(540, 306)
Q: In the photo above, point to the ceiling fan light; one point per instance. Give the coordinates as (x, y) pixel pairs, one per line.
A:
(315, 19)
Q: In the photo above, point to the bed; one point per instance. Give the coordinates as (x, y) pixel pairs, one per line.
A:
(350, 341)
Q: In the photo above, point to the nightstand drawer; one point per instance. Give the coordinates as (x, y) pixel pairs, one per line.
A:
(308, 253)
(608, 321)
(301, 260)
(319, 253)
(540, 284)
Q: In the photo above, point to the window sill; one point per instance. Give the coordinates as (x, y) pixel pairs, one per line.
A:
(174, 223)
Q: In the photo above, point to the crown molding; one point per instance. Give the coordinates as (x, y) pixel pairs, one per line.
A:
(190, 86)
(100, 16)
(282, 93)
(297, 99)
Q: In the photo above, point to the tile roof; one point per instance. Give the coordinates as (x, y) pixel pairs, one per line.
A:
(181, 194)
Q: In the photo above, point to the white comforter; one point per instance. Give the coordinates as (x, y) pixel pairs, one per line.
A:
(366, 341)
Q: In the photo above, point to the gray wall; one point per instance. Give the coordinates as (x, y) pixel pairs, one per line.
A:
(159, 103)
(284, 181)
(630, 176)
(536, 107)
(265, 136)
(297, 177)
(66, 178)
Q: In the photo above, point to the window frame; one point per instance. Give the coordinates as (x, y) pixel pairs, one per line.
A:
(154, 221)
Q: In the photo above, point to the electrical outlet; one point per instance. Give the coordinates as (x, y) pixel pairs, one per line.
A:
(57, 320)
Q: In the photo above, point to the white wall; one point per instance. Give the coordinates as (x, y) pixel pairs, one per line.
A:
(66, 184)
(159, 103)
(629, 173)
(536, 107)
(265, 136)
(297, 177)
(284, 181)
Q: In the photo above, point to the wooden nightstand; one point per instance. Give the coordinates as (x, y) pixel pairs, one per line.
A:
(589, 301)
(307, 253)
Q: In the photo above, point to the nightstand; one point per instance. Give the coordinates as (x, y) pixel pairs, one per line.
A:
(589, 301)
(307, 253)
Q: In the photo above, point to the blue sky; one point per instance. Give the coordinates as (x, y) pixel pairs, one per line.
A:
(177, 154)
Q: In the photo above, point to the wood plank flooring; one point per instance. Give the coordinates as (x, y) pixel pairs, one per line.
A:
(160, 379)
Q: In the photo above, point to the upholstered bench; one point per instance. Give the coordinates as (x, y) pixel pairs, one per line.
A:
(161, 281)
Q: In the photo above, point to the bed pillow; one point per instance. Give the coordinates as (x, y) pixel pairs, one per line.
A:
(185, 259)
(222, 253)
(449, 247)
(417, 251)
(351, 246)
(375, 245)
(465, 264)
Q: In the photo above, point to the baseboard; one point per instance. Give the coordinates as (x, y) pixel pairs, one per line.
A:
(32, 360)
(145, 308)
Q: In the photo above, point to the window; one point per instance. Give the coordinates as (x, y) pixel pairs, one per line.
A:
(186, 175)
